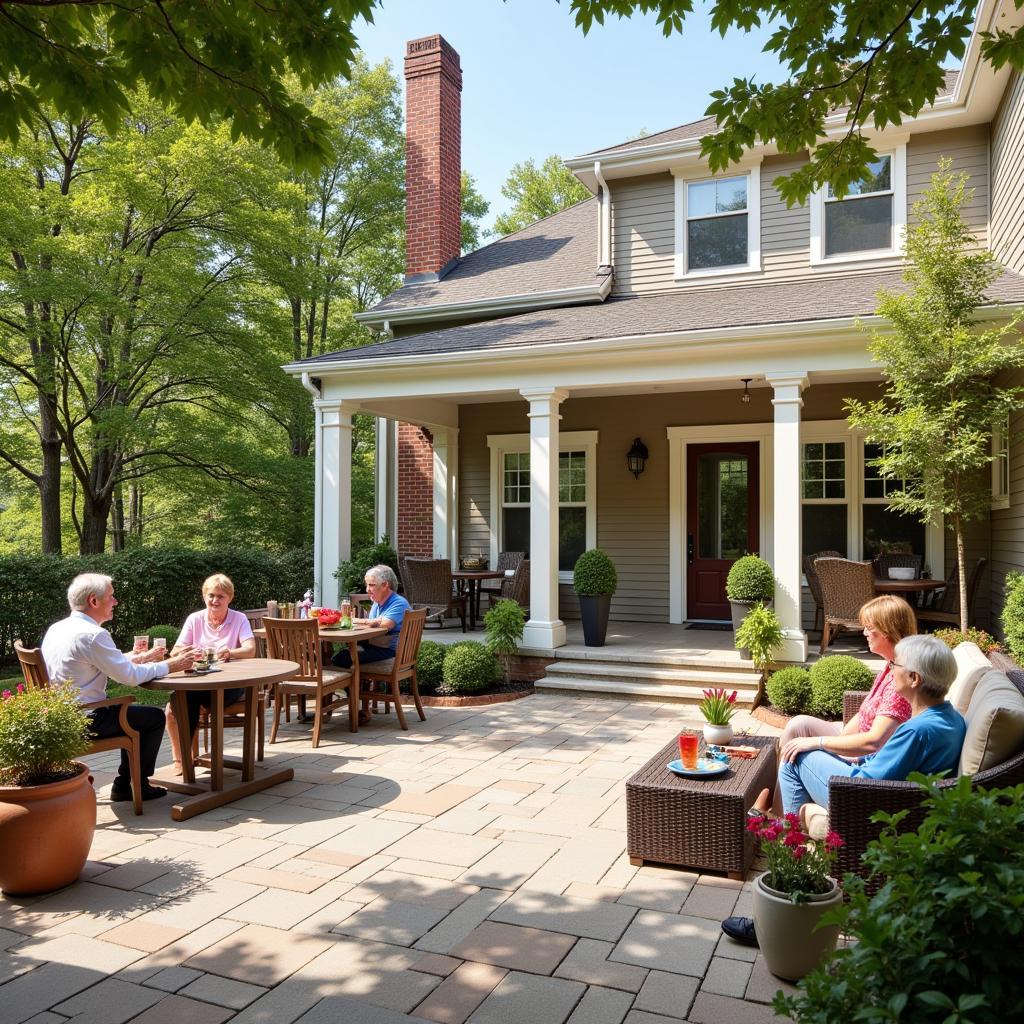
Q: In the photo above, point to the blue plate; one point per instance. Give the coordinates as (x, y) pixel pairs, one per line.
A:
(705, 767)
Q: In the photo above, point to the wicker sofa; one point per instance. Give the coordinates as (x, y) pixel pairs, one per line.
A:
(991, 700)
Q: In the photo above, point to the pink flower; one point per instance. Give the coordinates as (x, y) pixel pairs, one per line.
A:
(7, 693)
(793, 819)
(21, 687)
(798, 852)
(708, 694)
(754, 825)
(833, 841)
(732, 697)
(793, 839)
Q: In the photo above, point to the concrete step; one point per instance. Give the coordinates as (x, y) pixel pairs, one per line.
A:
(634, 689)
(654, 673)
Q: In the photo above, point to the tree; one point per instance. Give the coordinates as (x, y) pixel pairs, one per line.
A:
(880, 61)
(204, 61)
(941, 370)
(537, 192)
(474, 208)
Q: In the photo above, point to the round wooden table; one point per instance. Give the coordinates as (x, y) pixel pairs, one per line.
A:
(247, 674)
(910, 590)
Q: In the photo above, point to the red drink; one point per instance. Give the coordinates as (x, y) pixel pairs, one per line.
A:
(688, 750)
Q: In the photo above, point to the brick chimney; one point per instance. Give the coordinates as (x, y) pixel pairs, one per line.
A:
(433, 158)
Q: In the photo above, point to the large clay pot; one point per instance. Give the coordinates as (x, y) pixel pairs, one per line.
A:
(788, 933)
(45, 833)
(594, 616)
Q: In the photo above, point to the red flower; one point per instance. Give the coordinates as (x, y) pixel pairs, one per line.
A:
(21, 687)
(7, 693)
(754, 825)
(793, 839)
(833, 841)
(732, 697)
(793, 819)
(799, 852)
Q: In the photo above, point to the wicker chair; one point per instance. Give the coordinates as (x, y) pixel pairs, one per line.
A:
(946, 609)
(33, 669)
(845, 587)
(389, 673)
(517, 588)
(814, 585)
(507, 562)
(429, 584)
(898, 560)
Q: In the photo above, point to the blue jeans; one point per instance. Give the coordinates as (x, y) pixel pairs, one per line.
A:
(367, 653)
(805, 780)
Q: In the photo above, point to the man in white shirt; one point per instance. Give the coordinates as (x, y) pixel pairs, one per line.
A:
(80, 650)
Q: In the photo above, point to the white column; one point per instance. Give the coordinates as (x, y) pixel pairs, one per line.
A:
(384, 479)
(333, 515)
(787, 401)
(446, 462)
(544, 629)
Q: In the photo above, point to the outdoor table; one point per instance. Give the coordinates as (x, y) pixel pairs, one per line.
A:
(472, 578)
(248, 674)
(910, 590)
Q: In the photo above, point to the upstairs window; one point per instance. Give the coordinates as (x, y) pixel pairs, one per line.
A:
(716, 224)
(862, 220)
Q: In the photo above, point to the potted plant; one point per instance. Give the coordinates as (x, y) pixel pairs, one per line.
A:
(47, 803)
(750, 581)
(718, 707)
(793, 895)
(759, 636)
(594, 579)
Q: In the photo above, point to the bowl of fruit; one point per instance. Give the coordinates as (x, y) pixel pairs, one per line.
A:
(329, 617)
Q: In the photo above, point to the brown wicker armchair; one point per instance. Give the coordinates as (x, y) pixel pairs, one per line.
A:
(508, 561)
(517, 588)
(429, 583)
(946, 609)
(845, 587)
(814, 585)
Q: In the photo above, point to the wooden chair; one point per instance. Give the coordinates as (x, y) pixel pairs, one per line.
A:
(33, 668)
(845, 587)
(428, 582)
(298, 640)
(946, 609)
(517, 588)
(508, 561)
(898, 560)
(814, 585)
(388, 674)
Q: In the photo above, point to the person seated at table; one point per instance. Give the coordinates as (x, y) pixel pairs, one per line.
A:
(226, 631)
(388, 610)
(80, 650)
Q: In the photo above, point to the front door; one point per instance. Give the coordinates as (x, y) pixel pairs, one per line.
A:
(721, 520)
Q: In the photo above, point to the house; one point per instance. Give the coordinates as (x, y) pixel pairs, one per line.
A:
(692, 311)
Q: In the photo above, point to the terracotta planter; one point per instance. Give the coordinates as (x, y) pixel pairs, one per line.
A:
(45, 833)
(788, 933)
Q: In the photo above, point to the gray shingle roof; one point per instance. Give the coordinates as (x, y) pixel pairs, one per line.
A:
(557, 252)
(687, 309)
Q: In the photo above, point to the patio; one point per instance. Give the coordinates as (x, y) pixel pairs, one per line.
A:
(470, 869)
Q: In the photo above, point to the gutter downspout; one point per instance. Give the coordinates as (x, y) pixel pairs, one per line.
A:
(604, 221)
(318, 485)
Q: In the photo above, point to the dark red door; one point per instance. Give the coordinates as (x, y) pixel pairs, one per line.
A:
(721, 520)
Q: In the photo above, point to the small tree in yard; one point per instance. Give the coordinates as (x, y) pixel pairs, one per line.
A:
(942, 399)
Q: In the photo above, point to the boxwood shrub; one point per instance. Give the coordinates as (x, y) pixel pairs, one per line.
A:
(789, 689)
(833, 675)
(429, 663)
(469, 667)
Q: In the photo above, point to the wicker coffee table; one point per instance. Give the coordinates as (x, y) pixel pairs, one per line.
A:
(697, 823)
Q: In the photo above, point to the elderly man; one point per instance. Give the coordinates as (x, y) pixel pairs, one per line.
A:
(388, 610)
(79, 649)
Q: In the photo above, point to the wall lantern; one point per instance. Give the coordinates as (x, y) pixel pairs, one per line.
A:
(636, 457)
(745, 397)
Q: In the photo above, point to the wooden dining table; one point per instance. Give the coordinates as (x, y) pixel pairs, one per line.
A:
(248, 674)
(910, 590)
(472, 578)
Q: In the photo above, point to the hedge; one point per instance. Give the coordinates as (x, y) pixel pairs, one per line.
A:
(158, 584)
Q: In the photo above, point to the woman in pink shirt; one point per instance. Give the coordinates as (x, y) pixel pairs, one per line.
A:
(227, 632)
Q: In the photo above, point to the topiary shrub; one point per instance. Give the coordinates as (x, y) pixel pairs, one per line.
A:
(469, 667)
(789, 690)
(750, 579)
(169, 633)
(594, 573)
(429, 665)
(1013, 616)
(831, 677)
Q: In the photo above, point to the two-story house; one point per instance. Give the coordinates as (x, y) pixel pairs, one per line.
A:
(691, 311)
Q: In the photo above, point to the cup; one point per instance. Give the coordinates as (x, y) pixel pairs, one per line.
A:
(211, 655)
(140, 645)
(160, 644)
(688, 750)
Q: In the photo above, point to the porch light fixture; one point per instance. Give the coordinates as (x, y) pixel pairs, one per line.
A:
(636, 457)
(745, 397)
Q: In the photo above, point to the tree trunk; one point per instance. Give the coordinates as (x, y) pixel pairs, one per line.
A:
(95, 513)
(135, 511)
(49, 485)
(962, 563)
(117, 528)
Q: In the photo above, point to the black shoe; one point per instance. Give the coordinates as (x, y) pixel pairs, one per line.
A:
(741, 929)
(120, 792)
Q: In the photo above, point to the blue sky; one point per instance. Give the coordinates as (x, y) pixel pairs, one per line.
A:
(534, 85)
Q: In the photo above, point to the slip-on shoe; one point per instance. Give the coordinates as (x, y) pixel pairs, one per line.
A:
(120, 793)
(741, 929)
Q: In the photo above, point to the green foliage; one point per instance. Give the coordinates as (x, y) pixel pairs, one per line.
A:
(797, 865)
(954, 637)
(537, 192)
(789, 690)
(761, 634)
(750, 579)
(939, 943)
(474, 208)
(469, 667)
(169, 633)
(831, 677)
(1013, 616)
(503, 625)
(142, 695)
(429, 665)
(42, 731)
(351, 575)
(594, 573)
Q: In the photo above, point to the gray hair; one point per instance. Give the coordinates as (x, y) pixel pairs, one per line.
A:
(84, 586)
(933, 662)
(382, 574)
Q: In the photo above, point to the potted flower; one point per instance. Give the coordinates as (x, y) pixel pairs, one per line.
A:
(760, 636)
(793, 895)
(718, 707)
(47, 803)
(594, 579)
(750, 581)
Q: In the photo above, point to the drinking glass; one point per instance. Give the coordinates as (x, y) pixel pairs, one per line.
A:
(141, 645)
(211, 655)
(160, 644)
(688, 750)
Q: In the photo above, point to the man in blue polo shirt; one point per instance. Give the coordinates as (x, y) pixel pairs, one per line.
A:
(388, 610)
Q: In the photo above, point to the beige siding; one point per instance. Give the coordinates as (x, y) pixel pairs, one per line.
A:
(1007, 544)
(1007, 240)
(785, 232)
(643, 234)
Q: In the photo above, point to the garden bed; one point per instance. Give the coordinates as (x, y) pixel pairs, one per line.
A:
(499, 693)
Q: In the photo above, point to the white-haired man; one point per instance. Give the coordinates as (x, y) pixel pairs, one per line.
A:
(79, 649)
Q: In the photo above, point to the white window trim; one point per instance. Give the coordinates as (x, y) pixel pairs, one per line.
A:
(898, 181)
(568, 440)
(1001, 459)
(695, 176)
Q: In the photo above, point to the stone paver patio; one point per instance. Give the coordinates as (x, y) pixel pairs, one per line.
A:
(471, 869)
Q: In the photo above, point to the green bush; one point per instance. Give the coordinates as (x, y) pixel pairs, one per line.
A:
(940, 941)
(954, 637)
(504, 624)
(42, 731)
(833, 675)
(789, 689)
(594, 573)
(169, 633)
(351, 575)
(469, 667)
(1013, 616)
(429, 665)
(761, 634)
(750, 579)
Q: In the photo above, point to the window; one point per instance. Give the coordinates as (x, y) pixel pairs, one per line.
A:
(884, 529)
(823, 490)
(1001, 464)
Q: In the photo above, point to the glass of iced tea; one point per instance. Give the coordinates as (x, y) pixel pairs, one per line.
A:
(141, 645)
(688, 742)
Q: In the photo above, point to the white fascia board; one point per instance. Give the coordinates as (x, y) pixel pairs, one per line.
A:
(577, 296)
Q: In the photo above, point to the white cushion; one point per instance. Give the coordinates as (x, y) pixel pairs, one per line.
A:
(995, 724)
(971, 665)
(815, 820)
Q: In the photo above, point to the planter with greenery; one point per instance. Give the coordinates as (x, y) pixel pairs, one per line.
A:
(985, 642)
(750, 581)
(351, 574)
(718, 706)
(759, 636)
(831, 677)
(594, 579)
(503, 625)
(47, 803)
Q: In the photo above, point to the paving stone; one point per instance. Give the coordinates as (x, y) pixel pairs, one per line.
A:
(223, 991)
(143, 935)
(368, 837)
(258, 954)
(170, 979)
(667, 942)
(726, 977)
(643, 1017)
(461, 921)
(428, 892)
(509, 864)
(391, 921)
(601, 1006)
(431, 844)
(520, 949)
(527, 999)
(47, 1018)
(337, 857)
(109, 1002)
(434, 803)
(176, 953)
(658, 889)
(276, 879)
(733, 950)
(712, 1009)
(588, 962)
(427, 869)
(175, 1009)
(38, 990)
(79, 951)
(592, 919)
(461, 993)
(436, 963)
(710, 901)
(277, 909)
(586, 891)
(763, 985)
(343, 1008)
(668, 994)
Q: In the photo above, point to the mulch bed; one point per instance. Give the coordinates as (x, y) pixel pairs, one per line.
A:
(496, 694)
(771, 715)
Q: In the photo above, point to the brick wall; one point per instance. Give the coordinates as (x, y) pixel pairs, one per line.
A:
(415, 492)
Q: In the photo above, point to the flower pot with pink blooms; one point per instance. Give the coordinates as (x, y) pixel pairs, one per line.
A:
(718, 707)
